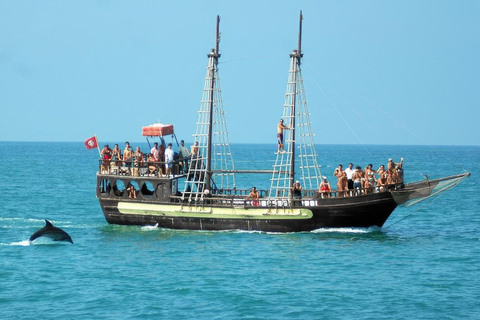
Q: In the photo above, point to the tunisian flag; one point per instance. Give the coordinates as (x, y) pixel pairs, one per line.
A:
(91, 143)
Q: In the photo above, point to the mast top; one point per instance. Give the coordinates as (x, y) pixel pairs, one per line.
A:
(298, 52)
(215, 50)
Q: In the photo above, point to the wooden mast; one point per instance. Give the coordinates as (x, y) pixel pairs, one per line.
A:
(215, 55)
(296, 54)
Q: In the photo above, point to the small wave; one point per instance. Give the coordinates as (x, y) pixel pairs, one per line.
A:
(148, 228)
(19, 243)
(342, 230)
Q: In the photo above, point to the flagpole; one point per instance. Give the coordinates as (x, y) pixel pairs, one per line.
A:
(98, 147)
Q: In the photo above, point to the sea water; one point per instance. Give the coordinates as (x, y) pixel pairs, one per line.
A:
(423, 264)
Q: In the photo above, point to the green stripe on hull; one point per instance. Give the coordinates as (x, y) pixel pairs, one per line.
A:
(212, 212)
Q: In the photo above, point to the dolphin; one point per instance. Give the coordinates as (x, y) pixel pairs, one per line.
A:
(54, 233)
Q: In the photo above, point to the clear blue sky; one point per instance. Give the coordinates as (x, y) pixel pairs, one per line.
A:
(398, 72)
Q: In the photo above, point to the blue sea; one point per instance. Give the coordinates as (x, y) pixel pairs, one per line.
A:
(423, 264)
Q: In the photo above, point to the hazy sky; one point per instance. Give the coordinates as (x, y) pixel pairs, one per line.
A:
(375, 72)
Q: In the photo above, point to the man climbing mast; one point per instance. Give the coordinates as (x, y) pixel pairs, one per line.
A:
(280, 128)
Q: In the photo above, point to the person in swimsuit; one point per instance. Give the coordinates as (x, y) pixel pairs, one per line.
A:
(151, 164)
(106, 155)
(195, 150)
(381, 170)
(138, 161)
(370, 179)
(341, 181)
(399, 174)
(132, 192)
(127, 156)
(391, 170)
(280, 128)
(117, 155)
(357, 180)
(382, 182)
(254, 196)
(325, 188)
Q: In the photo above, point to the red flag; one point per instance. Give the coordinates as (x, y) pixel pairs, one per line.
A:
(91, 143)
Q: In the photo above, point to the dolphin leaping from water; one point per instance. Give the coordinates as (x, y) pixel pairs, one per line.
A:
(54, 233)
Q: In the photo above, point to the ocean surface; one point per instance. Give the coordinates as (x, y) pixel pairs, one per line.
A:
(423, 264)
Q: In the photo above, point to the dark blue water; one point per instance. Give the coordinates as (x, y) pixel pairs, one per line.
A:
(424, 263)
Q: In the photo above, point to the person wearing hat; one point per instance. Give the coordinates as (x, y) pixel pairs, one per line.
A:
(297, 192)
(280, 128)
(391, 170)
(325, 188)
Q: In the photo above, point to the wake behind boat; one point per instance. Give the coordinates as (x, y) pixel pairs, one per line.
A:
(199, 192)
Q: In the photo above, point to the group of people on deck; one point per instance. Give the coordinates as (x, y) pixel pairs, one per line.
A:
(158, 161)
(351, 182)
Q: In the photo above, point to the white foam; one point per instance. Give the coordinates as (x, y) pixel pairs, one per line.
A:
(147, 228)
(20, 243)
(341, 230)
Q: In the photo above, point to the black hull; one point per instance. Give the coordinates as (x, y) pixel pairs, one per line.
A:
(354, 212)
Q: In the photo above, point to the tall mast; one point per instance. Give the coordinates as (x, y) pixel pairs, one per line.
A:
(300, 144)
(215, 56)
(296, 54)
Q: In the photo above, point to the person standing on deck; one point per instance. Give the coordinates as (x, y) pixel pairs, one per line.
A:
(297, 192)
(254, 196)
(357, 181)
(184, 154)
(168, 160)
(127, 156)
(155, 152)
(106, 155)
(349, 172)
(341, 181)
(280, 128)
(117, 157)
(391, 166)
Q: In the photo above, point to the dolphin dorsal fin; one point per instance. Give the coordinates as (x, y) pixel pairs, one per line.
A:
(48, 224)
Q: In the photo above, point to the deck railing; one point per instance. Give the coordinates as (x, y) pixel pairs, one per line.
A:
(140, 168)
(230, 197)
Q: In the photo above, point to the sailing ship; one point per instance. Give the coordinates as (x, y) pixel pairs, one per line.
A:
(201, 194)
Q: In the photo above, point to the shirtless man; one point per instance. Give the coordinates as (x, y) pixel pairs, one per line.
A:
(357, 180)
(391, 170)
(254, 196)
(117, 155)
(127, 156)
(341, 181)
(280, 128)
(195, 149)
(382, 182)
